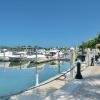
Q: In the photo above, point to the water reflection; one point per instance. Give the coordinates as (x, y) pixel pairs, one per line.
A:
(4, 64)
(38, 69)
(56, 64)
(22, 64)
(26, 74)
(37, 66)
(37, 76)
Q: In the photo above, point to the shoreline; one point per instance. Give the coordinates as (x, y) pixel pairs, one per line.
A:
(41, 84)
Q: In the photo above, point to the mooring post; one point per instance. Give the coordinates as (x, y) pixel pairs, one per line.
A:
(78, 74)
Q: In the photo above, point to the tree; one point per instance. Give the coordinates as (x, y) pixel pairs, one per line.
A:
(91, 43)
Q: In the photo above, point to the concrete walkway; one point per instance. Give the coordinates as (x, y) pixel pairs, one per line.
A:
(86, 89)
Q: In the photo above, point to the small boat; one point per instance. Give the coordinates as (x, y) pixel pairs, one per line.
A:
(30, 55)
(55, 53)
(17, 56)
(4, 55)
(33, 56)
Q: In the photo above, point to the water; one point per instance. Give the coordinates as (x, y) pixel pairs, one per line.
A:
(15, 78)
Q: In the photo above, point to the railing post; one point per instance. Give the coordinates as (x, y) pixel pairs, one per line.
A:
(37, 76)
(36, 56)
(88, 57)
(72, 61)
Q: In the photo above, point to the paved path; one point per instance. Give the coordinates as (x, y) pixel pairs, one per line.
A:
(86, 89)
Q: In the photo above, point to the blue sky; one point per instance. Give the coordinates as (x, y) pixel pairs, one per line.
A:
(48, 22)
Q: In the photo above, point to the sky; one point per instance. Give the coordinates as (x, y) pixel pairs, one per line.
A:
(48, 22)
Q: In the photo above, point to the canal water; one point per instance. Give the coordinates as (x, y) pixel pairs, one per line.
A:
(15, 77)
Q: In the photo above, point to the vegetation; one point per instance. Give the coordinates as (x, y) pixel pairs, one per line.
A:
(91, 43)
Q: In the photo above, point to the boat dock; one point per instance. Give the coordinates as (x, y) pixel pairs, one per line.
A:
(44, 60)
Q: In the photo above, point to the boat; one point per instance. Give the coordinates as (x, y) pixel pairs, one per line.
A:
(34, 56)
(4, 55)
(18, 56)
(55, 53)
